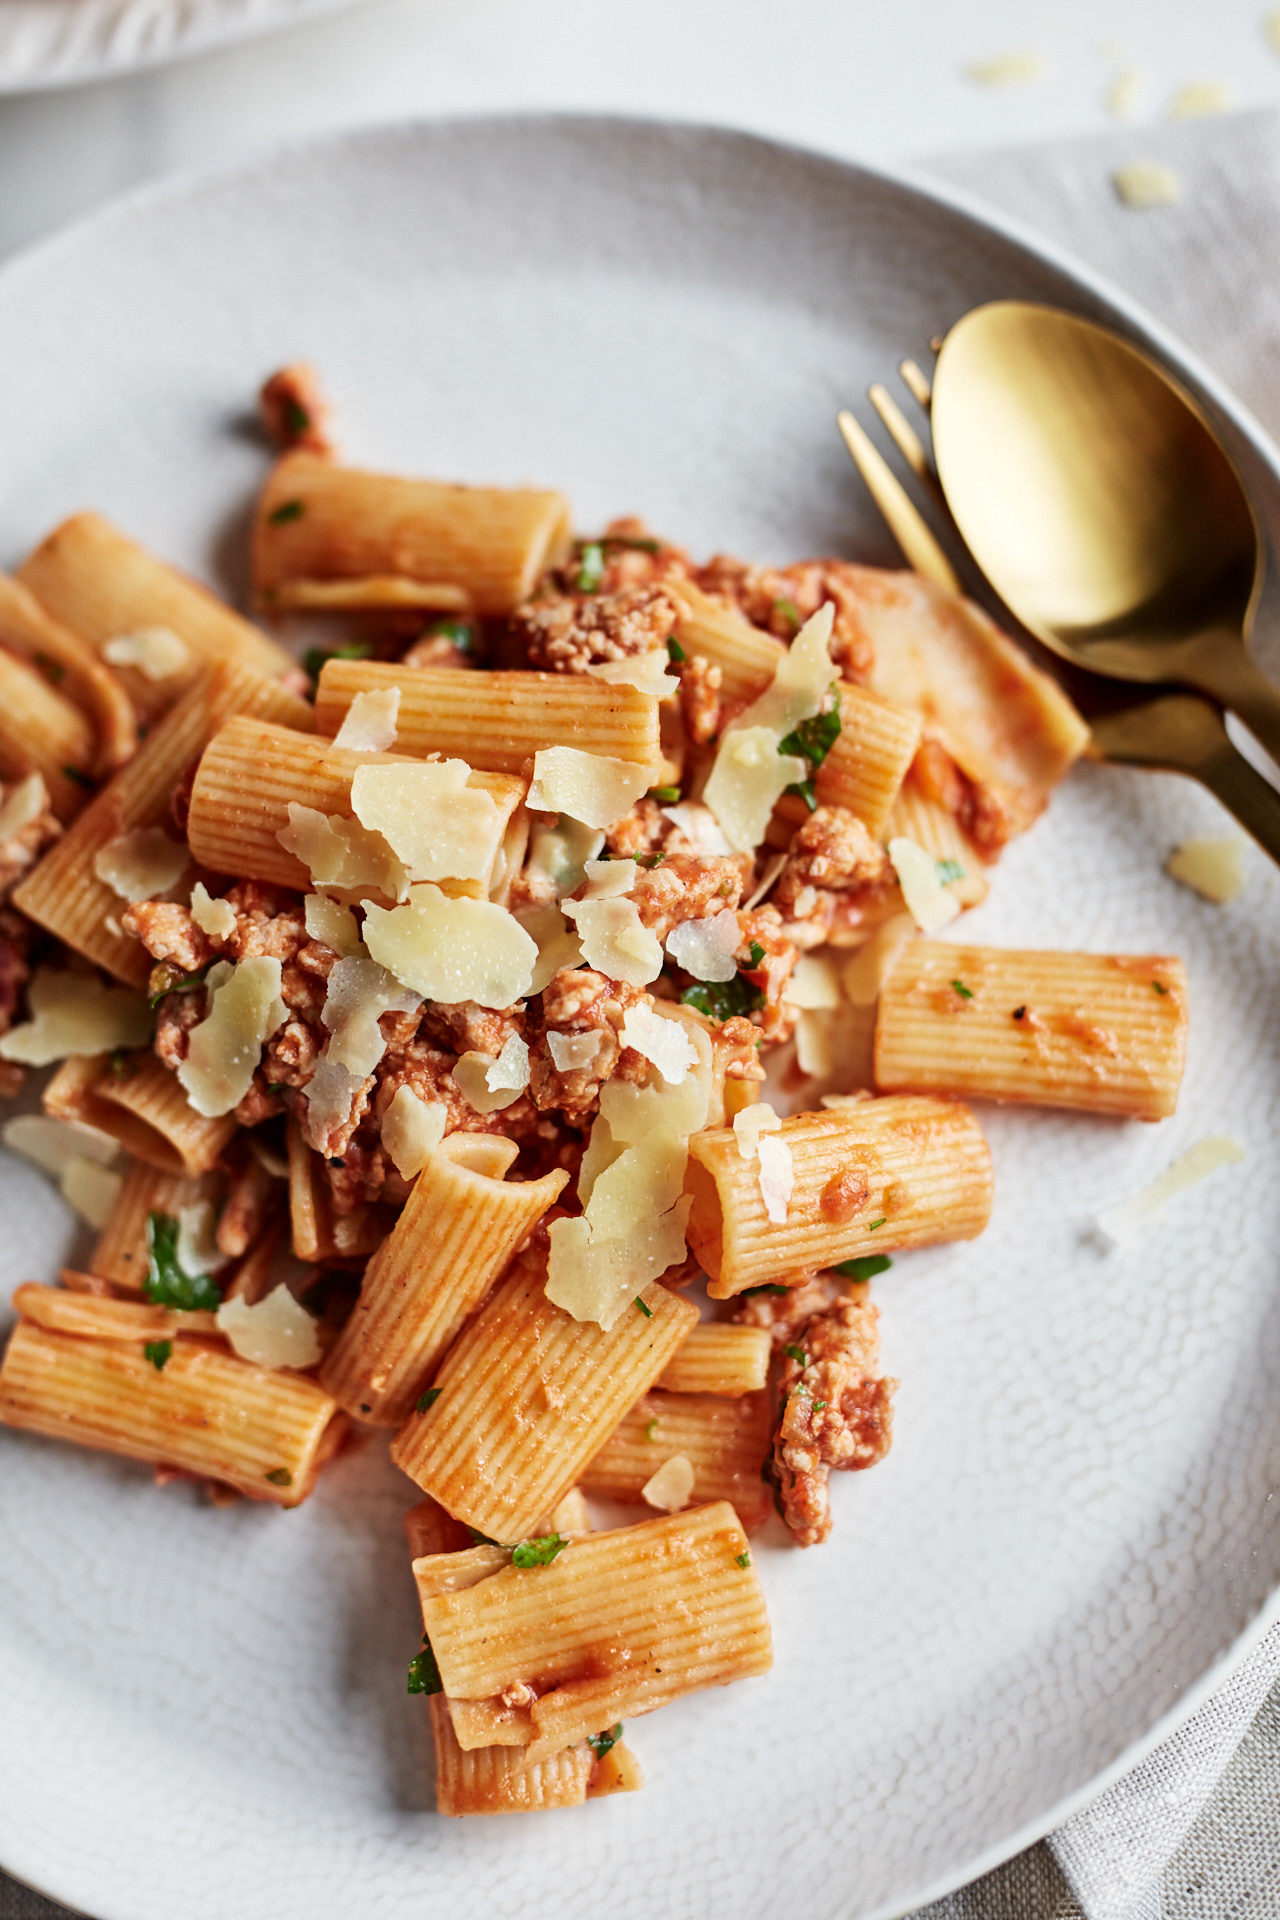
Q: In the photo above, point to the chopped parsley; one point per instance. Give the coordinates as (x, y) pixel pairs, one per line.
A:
(652, 860)
(1019, 1013)
(811, 742)
(651, 1430)
(591, 567)
(602, 1743)
(157, 1352)
(770, 1286)
(51, 669)
(638, 543)
(790, 613)
(280, 1477)
(428, 1399)
(797, 1354)
(742, 1559)
(175, 981)
(538, 1553)
(479, 1539)
(286, 511)
(966, 993)
(948, 870)
(667, 795)
(167, 1285)
(123, 1066)
(865, 1267)
(461, 633)
(675, 652)
(755, 953)
(424, 1674)
(296, 418)
(1159, 986)
(646, 1311)
(873, 1224)
(721, 1000)
(818, 1405)
(79, 775)
(314, 658)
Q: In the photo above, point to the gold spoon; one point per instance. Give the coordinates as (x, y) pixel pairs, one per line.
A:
(1099, 503)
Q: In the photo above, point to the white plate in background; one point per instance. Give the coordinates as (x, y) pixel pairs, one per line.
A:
(204, 1710)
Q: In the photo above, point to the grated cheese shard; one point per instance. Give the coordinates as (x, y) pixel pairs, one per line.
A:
(670, 1487)
(1015, 69)
(275, 1332)
(596, 1278)
(412, 1129)
(197, 1247)
(142, 864)
(438, 826)
(50, 1143)
(750, 1123)
(814, 984)
(606, 879)
(490, 1084)
(700, 828)
(333, 924)
(359, 993)
(157, 652)
(750, 774)
(589, 787)
(331, 1095)
(453, 949)
(557, 943)
(647, 671)
(662, 1042)
(342, 853)
(571, 1052)
(777, 1176)
(1124, 1222)
(23, 802)
(561, 852)
(871, 965)
(369, 724)
(615, 941)
(930, 904)
(75, 1013)
(705, 948)
(91, 1189)
(1147, 183)
(217, 918)
(1212, 867)
(815, 1042)
(225, 1049)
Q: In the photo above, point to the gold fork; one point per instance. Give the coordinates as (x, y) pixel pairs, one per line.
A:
(1172, 732)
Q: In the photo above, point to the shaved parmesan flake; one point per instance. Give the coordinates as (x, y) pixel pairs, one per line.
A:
(1147, 183)
(1123, 1223)
(606, 879)
(571, 1052)
(225, 1049)
(750, 1124)
(332, 1094)
(670, 1487)
(142, 864)
(700, 828)
(342, 853)
(1124, 95)
(451, 950)
(359, 993)
(1211, 867)
(557, 943)
(871, 965)
(589, 787)
(815, 1051)
(595, 1278)
(801, 681)
(332, 924)
(441, 828)
(275, 1332)
(50, 1144)
(777, 1176)
(705, 948)
(814, 984)
(615, 941)
(217, 918)
(412, 1129)
(561, 852)
(929, 903)
(1006, 69)
(369, 724)
(75, 1013)
(489, 1085)
(197, 1248)
(91, 1189)
(157, 652)
(1198, 99)
(661, 1041)
(772, 868)
(836, 1102)
(632, 1113)
(647, 671)
(23, 803)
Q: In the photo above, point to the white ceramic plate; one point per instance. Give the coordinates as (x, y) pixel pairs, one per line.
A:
(59, 43)
(204, 1711)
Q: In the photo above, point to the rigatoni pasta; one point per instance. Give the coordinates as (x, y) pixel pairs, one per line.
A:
(717, 1358)
(724, 1441)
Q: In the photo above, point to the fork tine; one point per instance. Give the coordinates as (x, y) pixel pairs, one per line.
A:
(917, 384)
(902, 516)
(901, 432)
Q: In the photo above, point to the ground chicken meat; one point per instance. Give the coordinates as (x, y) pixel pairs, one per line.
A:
(836, 879)
(567, 632)
(169, 934)
(639, 834)
(175, 1017)
(294, 410)
(252, 1196)
(783, 1314)
(781, 599)
(683, 888)
(836, 1412)
(579, 1002)
(700, 706)
(436, 650)
(735, 1051)
(15, 940)
(19, 853)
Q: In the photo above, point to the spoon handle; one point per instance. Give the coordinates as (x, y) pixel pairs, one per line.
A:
(1182, 734)
(1222, 667)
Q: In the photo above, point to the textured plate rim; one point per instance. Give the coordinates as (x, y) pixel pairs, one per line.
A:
(971, 209)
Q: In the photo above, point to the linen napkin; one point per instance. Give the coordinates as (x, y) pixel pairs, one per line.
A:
(1194, 1832)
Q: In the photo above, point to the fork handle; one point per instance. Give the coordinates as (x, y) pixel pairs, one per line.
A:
(1221, 667)
(1183, 734)
(1243, 792)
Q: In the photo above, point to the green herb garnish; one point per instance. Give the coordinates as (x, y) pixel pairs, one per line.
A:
(790, 612)
(428, 1399)
(755, 953)
(479, 1539)
(675, 652)
(286, 511)
(167, 1285)
(865, 1267)
(818, 1405)
(651, 1430)
(280, 1477)
(122, 1064)
(948, 870)
(591, 567)
(80, 777)
(742, 1559)
(966, 993)
(721, 1000)
(538, 1553)
(770, 1286)
(460, 632)
(51, 669)
(157, 1352)
(314, 658)
(602, 1743)
(1159, 986)
(296, 418)
(646, 1311)
(811, 742)
(179, 982)
(652, 860)
(797, 1354)
(667, 795)
(874, 1224)
(424, 1674)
